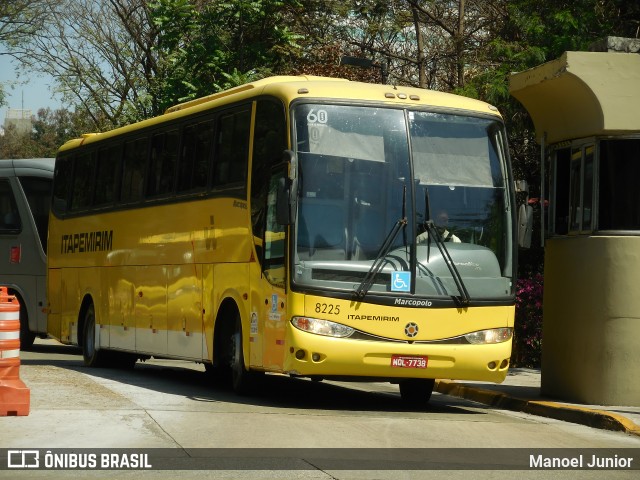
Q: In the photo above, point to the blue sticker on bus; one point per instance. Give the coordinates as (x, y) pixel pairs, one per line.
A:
(401, 281)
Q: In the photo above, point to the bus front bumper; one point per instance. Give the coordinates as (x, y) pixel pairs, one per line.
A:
(313, 355)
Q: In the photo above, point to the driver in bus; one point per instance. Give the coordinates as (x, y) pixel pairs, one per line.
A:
(442, 224)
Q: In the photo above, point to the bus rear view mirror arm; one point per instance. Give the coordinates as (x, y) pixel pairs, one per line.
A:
(287, 189)
(283, 203)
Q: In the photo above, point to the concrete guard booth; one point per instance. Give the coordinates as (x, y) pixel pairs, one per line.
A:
(586, 110)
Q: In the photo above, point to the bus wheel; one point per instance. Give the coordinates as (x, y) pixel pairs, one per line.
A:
(91, 356)
(416, 391)
(27, 337)
(122, 360)
(243, 381)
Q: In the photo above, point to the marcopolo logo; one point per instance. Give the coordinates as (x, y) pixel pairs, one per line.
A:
(411, 330)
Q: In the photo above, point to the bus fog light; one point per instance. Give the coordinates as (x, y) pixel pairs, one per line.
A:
(300, 354)
(504, 364)
(494, 335)
(316, 357)
(491, 366)
(321, 327)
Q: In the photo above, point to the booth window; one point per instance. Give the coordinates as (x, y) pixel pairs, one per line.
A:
(619, 207)
(594, 187)
(581, 189)
(560, 201)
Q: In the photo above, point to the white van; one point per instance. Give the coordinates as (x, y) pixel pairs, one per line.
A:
(25, 198)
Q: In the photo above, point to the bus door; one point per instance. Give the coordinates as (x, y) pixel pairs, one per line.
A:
(269, 314)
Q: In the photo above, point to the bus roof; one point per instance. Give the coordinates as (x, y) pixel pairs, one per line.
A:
(288, 88)
(33, 164)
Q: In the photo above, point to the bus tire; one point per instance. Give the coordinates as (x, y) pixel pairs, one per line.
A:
(122, 360)
(243, 381)
(416, 391)
(27, 337)
(91, 356)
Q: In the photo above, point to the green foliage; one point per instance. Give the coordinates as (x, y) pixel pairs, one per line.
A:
(529, 33)
(126, 60)
(215, 45)
(527, 342)
(557, 26)
(20, 19)
(50, 129)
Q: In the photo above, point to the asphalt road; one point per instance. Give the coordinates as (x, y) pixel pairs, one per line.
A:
(176, 409)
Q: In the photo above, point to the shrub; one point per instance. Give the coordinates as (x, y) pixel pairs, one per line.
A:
(527, 344)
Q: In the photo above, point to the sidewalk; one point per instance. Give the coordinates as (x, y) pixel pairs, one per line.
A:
(520, 392)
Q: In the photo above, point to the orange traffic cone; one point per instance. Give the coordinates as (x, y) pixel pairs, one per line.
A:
(14, 394)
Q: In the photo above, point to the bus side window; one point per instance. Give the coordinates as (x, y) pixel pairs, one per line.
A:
(62, 184)
(193, 168)
(108, 167)
(38, 192)
(10, 222)
(232, 149)
(163, 163)
(275, 234)
(83, 188)
(269, 141)
(135, 159)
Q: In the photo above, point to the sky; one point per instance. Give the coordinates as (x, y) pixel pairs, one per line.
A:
(35, 93)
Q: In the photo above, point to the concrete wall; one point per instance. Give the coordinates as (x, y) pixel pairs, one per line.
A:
(591, 325)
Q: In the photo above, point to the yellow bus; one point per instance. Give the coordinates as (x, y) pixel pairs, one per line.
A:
(300, 225)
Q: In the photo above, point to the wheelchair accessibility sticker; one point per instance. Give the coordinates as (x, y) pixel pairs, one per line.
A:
(401, 281)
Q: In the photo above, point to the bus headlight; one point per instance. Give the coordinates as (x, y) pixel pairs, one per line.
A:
(321, 327)
(495, 335)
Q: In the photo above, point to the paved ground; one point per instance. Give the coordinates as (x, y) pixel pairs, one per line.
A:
(521, 392)
(170, 410)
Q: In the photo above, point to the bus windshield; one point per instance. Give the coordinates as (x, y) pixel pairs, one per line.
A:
(376, 185)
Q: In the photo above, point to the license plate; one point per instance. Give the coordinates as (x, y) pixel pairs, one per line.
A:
(404, 361)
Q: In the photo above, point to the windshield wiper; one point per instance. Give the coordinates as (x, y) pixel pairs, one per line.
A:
(457, 278)
(427, 218)
(433, 233)
(379, 261)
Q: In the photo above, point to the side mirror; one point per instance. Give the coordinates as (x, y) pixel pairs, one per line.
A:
(525, 225)
(525, 215)
(289, 158)
(287, 191)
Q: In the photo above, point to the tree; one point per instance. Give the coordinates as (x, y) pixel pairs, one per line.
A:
(426, 44)
(99, 52)
(51, 128)
(204, 48)
(529, 33)
(124, 60)
(19, 20)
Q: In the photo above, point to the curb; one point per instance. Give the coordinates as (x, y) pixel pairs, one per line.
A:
(558, 411)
